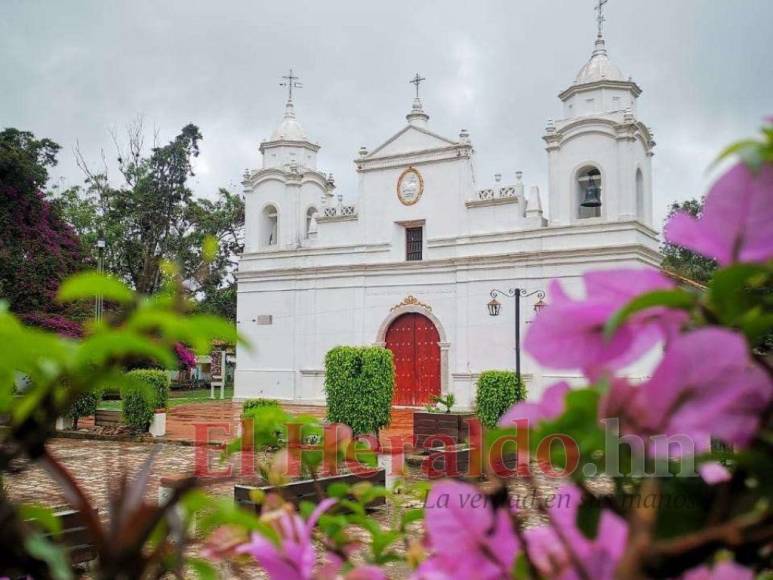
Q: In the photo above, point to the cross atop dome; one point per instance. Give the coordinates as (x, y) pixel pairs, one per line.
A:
(289, 129)
(291, 82)
(600, 16)
(417, 116)
(417, 81)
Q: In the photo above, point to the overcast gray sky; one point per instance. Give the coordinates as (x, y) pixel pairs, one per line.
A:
(73, 70)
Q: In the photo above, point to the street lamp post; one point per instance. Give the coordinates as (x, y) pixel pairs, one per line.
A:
(100, 304)
(494, 307)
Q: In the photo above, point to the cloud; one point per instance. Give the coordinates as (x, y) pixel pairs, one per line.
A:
(70, 71)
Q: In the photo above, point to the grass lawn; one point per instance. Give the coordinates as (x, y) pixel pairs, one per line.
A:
(179, 398)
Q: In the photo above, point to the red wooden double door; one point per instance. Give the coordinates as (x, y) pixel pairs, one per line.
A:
(414, 341)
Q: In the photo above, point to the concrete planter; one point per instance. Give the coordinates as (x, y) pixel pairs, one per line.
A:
(306, 490)
(104, 418)
(65, 423)
(158, 424)
(432, 430)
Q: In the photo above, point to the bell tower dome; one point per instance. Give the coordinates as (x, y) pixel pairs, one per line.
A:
(599, 154)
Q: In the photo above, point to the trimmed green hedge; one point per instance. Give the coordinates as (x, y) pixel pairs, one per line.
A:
(147, 391)
(359, 383)
(497, 392)
(250, 404)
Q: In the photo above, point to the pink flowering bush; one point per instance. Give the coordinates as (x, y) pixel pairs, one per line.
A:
(185, 356)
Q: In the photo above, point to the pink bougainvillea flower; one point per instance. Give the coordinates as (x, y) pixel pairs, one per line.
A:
(714, 472)
(550, 406)
(735, 225)
(294, 558)
(598, 557)
(725, 570)
(468, 536)
(569, 333)
(706, 385)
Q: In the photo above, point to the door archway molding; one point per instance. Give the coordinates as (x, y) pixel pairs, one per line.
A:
(419, 308)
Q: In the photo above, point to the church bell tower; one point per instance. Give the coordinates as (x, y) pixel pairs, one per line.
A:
(599, 154)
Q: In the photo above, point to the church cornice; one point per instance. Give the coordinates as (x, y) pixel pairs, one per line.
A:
(420, 157)
(602, 84)
(626, 129)
(540, 258)
(300, 177)
(265, 145)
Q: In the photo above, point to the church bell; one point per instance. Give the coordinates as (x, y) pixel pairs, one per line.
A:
(592, 196)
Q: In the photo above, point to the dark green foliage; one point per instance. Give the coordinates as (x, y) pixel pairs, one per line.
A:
(146, 391)
(497, 392)
(685, 262)
(151, 217)
(84, 406)
(359, 383)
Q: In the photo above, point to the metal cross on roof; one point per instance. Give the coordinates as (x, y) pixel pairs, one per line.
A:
(600, 16)
(417, 81)
(291, 82)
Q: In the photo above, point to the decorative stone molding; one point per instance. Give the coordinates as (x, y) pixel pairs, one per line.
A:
(494, 196)
(411, 300)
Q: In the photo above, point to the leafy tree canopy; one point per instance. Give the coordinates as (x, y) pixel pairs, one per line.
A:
(38, 248)
(151, 217)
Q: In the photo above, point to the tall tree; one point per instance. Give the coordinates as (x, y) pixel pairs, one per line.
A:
(152, 216)
(37, 247)
(682, 261)
(145, 218)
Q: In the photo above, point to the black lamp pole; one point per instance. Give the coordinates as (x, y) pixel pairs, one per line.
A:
(494, 308)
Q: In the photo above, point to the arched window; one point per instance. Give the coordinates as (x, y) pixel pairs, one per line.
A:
(588, 193)
(270, 229)
(639, 194)
(311, 221)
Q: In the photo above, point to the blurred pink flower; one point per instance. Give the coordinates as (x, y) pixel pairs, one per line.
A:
(550, 406)
(725, 570)
(706, 385)
(569, 333)
(469, 537)
(735, 225)
(599, 557)
(714, 472)
(294, 558)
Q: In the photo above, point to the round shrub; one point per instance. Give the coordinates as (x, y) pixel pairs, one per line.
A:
(84, 406)
(497, 392)
(359, 384)
(147, 391)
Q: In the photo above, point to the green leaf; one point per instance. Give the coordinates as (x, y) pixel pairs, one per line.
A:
(731, 290)
(42, 516)
(203, 569)
(410, 516)
(678, 299)
(55, 556)
(338, 490)
(89, 285)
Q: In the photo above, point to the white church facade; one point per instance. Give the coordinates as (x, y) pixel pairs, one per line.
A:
(410, 264)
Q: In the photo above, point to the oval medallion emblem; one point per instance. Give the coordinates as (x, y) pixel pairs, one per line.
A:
(410, 186)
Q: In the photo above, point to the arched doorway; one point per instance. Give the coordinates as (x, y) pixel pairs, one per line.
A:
(415, 342)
